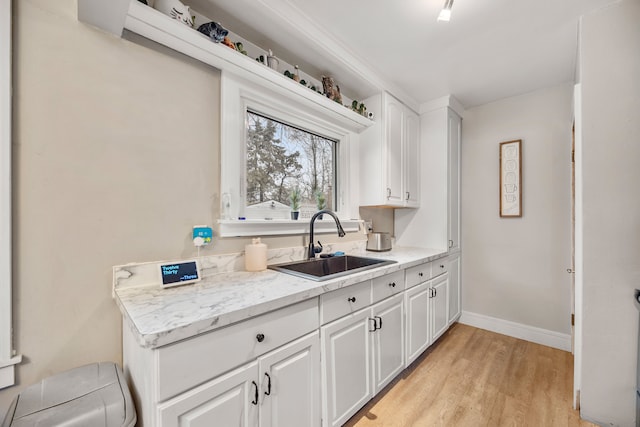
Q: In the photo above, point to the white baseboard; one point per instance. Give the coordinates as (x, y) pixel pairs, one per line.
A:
(517, 330)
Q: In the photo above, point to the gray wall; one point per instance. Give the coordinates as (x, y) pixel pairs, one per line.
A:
(514, 269)
(610, 78)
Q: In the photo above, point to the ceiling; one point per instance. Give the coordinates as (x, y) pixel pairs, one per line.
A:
(491, 49)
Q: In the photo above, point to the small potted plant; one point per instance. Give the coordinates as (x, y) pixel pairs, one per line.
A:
(321, 201)
(294, 198)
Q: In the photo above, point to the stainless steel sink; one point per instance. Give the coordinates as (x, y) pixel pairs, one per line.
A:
(328, 268)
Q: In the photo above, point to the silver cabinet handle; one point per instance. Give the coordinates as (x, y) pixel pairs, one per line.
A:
(388, 193)
(450, 243)
(407, 195)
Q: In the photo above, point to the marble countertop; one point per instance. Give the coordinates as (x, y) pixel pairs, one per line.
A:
(162, 316)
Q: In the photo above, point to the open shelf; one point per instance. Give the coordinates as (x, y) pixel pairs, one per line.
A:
(156, 26)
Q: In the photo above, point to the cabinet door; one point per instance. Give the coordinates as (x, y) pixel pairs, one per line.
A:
(229, 400)
(290, 387)
(412, 160)
(454, 125)
(346, 379)
(454, 288)
(388, 342)
(417, 305)
(439, 306)
(395, 191)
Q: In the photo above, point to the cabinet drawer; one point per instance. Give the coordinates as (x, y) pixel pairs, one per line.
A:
(418, 274)
(344, 301)
(188, 363)
(385, 286)
(440, 266)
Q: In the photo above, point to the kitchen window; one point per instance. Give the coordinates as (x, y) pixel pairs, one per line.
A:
(282, 159)
(271, 142)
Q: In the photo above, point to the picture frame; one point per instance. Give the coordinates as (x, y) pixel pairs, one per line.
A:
(511, 179)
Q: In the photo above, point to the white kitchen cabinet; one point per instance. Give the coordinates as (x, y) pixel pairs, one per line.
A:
(388, 340)
(390, 173)
(362, 352)
(411, 166)
(346, 366)
(231, 399)
(290, 385)
(439, 306)
(454, 129)
(455, 302)
(417, 301)
(280, 389)
(217, 374)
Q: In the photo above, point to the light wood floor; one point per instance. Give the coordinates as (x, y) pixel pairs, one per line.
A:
(472, 377)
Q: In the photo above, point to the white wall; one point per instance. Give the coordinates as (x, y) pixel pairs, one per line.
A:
(610, 79)
(514, 269)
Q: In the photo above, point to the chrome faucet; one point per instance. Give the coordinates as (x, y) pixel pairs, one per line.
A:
(313, 249)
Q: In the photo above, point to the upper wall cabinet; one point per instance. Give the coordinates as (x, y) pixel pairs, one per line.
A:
(389, 174)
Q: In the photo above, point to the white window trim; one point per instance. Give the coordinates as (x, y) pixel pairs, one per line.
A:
(7, 357)
(238, 95)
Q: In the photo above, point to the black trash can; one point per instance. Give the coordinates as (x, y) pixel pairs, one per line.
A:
(94, 395)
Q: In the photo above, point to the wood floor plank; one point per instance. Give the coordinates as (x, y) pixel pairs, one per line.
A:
(472, 377)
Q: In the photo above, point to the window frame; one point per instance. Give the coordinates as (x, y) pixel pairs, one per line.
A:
(239, 96)
(7, 355)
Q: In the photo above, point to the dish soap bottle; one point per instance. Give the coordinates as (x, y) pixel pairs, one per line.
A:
(255, 256)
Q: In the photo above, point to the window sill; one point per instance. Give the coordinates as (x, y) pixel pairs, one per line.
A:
(262, 227)
(7, 371)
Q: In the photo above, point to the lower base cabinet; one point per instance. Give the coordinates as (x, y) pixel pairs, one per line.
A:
(288, 368)
(439, 306)
(417, 301)
(346, 366)
(455, 303)
(362, 352)
(280, 389)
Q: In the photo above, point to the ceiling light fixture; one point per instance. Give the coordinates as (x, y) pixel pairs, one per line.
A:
(445, 13)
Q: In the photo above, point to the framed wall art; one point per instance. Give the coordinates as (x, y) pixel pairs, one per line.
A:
(511, 178)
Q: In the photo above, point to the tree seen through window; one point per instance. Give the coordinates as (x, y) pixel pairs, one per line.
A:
(281, 157)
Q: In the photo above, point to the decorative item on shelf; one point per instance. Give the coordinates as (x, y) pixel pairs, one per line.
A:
(240, 48)
(272, 61)
(331, 90)
(294, 198)
(261, 59)
(359, 108)
(296, 74)
(227, 42)
(175, 9)
(214, 31)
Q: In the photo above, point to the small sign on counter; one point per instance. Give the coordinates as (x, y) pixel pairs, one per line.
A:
(179, 273)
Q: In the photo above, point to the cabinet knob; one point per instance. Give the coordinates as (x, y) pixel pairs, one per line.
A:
(351, 299)
(420, 274)
(260, 337)
(392, 284)
(441, 265)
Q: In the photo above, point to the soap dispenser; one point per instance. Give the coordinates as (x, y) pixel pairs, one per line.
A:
(255, 256)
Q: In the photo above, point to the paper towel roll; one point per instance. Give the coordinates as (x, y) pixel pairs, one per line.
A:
(255, 256)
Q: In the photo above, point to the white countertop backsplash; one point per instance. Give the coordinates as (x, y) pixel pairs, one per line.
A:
(227, 294)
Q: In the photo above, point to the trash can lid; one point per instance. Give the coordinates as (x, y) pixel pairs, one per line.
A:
(95, 395)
